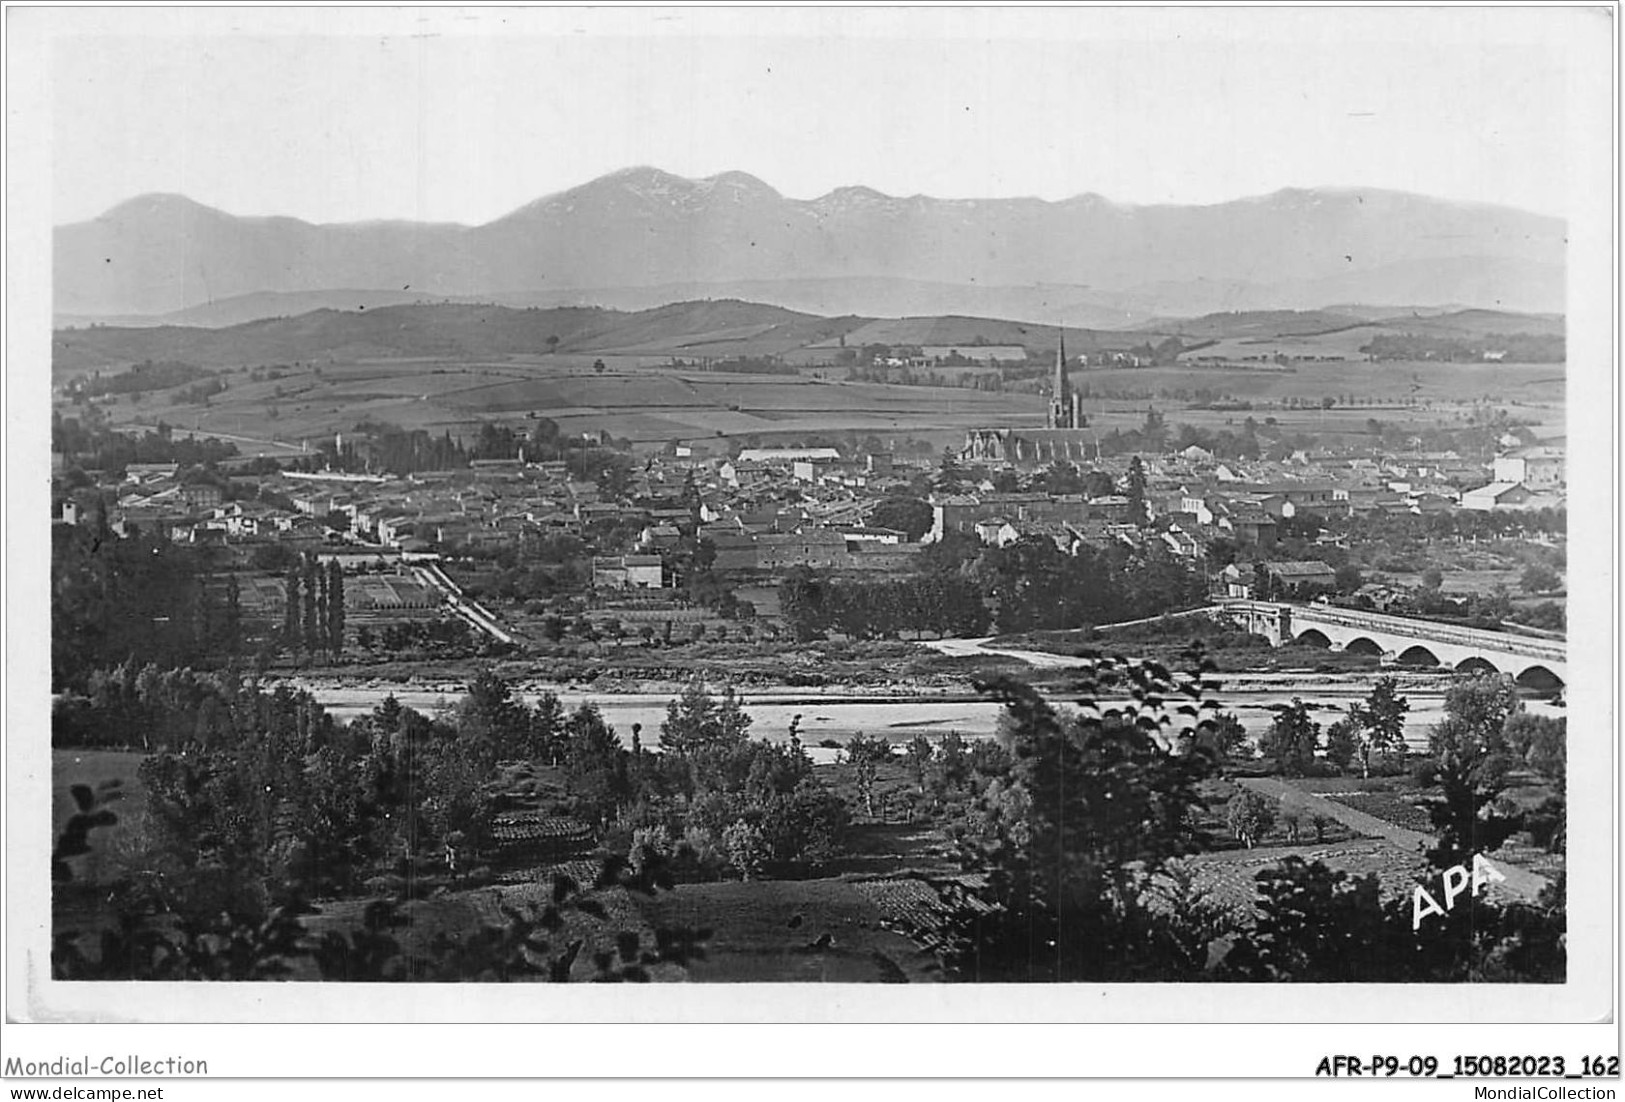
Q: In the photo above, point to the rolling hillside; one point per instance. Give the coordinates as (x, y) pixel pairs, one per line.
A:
(459, 332)
(726, 329)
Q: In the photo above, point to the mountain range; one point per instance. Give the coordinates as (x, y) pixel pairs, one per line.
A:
(642, 237)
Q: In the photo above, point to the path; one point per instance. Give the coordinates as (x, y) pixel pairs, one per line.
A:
(1520, 883)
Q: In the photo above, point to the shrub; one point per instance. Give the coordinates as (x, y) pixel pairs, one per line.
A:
(1425, 773)
(1250, 817)
(1294, 816)
(746, 847)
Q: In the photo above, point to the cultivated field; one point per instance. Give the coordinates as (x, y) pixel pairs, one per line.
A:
(642, 404)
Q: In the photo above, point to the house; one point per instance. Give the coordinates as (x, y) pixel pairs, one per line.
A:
(201, 495)
(785, 457)
(1182, 543)
(394, 528)
(815, 469)
(1195, 505)
(1238, 581)
(1256, 528)
(1538, 468)
(818, 548)
(997, 531)
(871, 535)
(1300, 577)
(660, 536)
(149, 472)
(739, 473)
(628, 572)
(1497, 495)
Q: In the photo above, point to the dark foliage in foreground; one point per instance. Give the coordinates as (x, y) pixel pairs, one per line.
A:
(533, 943)
(1074, 854)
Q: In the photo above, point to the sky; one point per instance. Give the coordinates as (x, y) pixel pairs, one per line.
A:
(462, 117)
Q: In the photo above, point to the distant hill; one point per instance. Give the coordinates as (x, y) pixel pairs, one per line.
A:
(718, 329)
(1084, 261)
(457, 332)
(1478, 323)
(1257, 323)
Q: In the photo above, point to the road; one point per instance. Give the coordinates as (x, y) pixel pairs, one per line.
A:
(203, 434)
(472, 611)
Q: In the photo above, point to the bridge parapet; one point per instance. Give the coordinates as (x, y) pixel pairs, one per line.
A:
(1429, 630)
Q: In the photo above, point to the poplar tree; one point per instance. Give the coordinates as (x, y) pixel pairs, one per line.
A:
(335, 607)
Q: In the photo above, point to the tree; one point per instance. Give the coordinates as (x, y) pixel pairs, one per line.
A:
(1249, 817)
(1342, 743)
(1473, 756)
(1539, 579)
(1073, 826)
(312, 633)
(490, 714)
(1348, 578)
(1227, 737)
(1263, 583)
(950, 476)
(335, 607)
(1432, 579)
(553, 343)
(546, 737)
(1135, 492)
(1380, 720)
(1292, 739)
(291, 635)
(919, 758)
(598, 367)
(908, 515)
(595, 766)
(1154, 432)
(865, 756)
(697, 722)
(233, 626)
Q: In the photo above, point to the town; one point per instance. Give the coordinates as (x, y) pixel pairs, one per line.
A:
(768, 688)
(524, 536)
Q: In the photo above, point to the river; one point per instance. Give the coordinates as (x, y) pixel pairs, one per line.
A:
(837, 715)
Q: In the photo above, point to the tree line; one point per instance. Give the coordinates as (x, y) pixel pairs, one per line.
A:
(813, 604)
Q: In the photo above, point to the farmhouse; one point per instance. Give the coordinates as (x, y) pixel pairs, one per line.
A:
(1300, 577)
(628, 572)
(1538, 468)
(1497, 495)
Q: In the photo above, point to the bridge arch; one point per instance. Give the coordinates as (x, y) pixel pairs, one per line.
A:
(1475, 664)
(1364, 644)
(1417, 655)
(1313, 637)
(1540, 678)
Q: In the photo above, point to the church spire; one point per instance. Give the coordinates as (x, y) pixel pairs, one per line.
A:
(1062, 414)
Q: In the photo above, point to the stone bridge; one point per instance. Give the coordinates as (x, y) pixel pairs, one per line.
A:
(1533, 662)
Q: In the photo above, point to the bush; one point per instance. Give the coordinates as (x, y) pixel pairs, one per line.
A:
(1250, 817)
(1425, 773)
(746, 847)
(1294, 816)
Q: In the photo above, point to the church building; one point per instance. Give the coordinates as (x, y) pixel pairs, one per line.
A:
(1064, 437)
